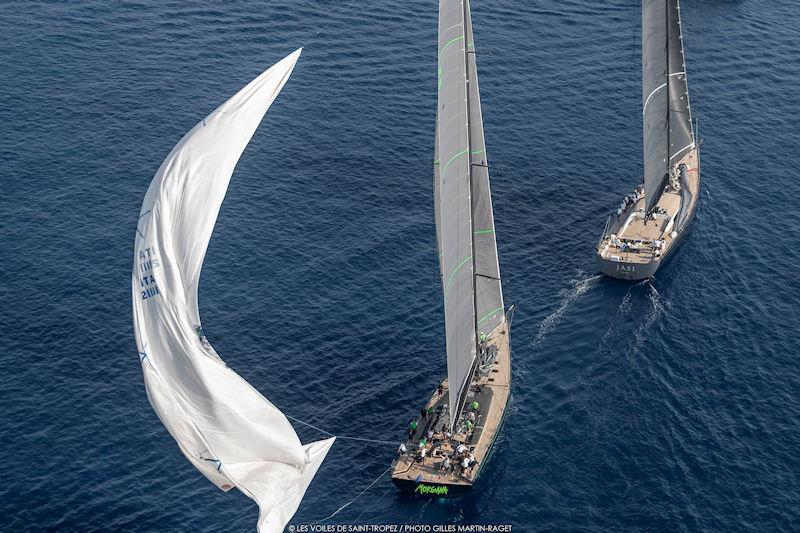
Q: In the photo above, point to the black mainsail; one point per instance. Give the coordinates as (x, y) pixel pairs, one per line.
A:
(666, 112)
(473, 299)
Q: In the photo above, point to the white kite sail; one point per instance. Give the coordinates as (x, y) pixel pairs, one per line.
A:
(223, 425)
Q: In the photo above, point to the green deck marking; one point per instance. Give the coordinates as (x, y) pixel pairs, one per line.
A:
(455, 271)
(489, 314)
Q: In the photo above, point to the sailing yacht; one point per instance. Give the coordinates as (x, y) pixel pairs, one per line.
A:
(646, 229)
(451, 439)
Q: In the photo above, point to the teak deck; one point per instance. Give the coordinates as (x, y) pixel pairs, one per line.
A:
(631, 228)
(491, 391)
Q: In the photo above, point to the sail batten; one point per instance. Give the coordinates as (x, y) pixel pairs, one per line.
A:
(464, 220)
(225, 427)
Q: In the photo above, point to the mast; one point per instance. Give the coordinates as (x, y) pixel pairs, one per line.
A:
(667, 88)
(462, 394)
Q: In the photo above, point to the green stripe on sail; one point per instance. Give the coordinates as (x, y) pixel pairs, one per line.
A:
(448, 43)
(454, 272)
(459, 154)
(489, 314)
(483, 231)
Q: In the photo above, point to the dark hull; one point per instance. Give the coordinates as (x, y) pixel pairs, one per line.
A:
(639, 271)
(627, 271)
(428, 489)
(490, 388)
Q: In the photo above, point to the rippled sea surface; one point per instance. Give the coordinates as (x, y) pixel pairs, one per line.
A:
(665, 406)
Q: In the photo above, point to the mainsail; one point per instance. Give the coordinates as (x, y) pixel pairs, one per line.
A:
(223, 425)
(473, 300)
(666, 111)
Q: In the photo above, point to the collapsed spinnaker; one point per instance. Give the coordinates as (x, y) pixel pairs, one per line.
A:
(224, 426)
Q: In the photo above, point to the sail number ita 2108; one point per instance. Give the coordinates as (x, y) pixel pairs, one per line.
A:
(148, 261)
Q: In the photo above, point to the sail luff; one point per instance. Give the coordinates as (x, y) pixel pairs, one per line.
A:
(436, 193)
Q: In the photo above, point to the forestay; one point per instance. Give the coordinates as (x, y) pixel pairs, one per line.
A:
(465, 226)
(666, 113)
(224, 426)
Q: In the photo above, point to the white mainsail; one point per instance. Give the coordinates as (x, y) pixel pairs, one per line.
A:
(223, 425)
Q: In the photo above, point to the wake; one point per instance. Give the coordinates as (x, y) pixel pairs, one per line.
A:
(623, 309)
(656, 311)
(568, 297)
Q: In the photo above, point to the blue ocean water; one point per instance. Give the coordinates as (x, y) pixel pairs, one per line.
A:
(665, 406)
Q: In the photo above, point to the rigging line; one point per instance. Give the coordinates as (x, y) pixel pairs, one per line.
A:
(376, 441)
(373, 505)
(357, 497)
(324, 27)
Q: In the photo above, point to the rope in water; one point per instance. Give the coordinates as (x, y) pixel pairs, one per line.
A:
(377, 441)
(312, 426)
(357, 497)
(325, 25)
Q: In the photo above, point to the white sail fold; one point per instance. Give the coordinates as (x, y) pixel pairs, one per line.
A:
(223, 425)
